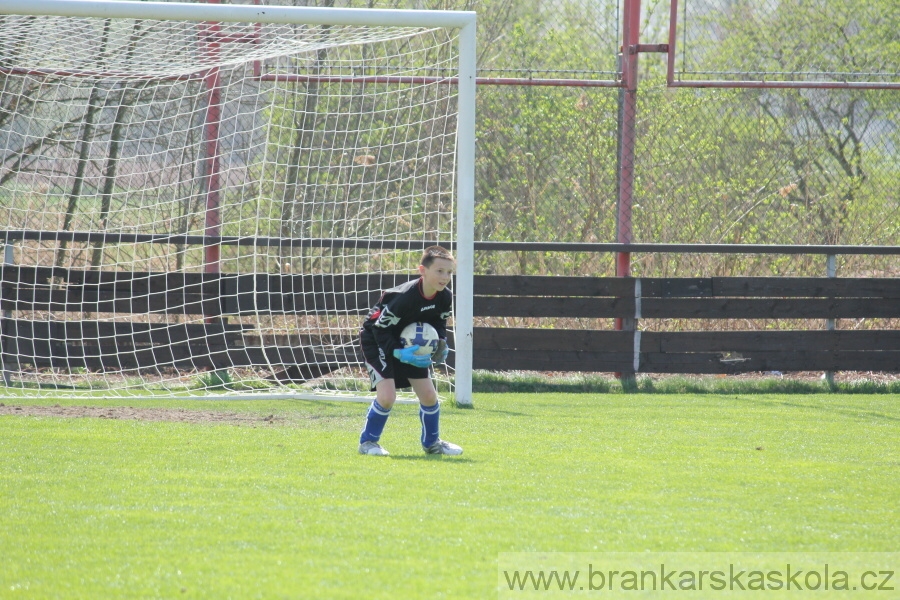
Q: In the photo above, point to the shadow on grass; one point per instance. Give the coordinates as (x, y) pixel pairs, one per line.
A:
(437, 457)
(828, 408)
(531, 382)
(511, 413)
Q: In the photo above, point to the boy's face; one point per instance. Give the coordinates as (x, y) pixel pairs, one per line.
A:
(437, 276)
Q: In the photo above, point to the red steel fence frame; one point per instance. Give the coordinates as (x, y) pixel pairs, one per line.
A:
(825, 85)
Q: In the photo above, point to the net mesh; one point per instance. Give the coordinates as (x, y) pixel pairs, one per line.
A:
(198, 207)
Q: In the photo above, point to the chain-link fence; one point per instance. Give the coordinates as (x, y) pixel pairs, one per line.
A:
(814, 161)
(788, 134)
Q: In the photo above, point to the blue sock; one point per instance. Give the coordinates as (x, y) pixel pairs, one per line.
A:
(430, 417)
(375, 420)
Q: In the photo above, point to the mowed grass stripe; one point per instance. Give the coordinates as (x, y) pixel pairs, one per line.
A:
(93, 507)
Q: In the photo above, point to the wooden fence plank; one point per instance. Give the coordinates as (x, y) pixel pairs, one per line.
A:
(699, 287)
(115, 301)
(138, 281)
(551, 340)
(304, 294)
(676, 287)
(534, 285)
(539, 360)
(888, 361)
(483, 306)
(747, 341)
(180, 356)
(768, 308)
(123, 332)
(837, 287)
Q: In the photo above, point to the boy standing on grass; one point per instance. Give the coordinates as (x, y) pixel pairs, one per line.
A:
(391, 367)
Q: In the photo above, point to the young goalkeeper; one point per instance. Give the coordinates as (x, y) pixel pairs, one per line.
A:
(391, 367)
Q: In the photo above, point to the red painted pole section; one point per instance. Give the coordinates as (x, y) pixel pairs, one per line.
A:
(624, 235)
(212, 171)
(630, 40)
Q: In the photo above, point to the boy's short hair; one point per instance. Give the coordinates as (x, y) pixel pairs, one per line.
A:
(434, 252)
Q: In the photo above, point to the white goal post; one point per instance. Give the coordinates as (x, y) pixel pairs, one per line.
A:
(203, 199)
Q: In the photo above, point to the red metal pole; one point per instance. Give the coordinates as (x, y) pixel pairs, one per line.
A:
(257, 64)
(673, 28)
(213, 175)
(630, 40)
(212, 122)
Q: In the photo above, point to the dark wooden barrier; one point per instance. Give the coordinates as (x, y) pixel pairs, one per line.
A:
(217, 343)
(214, 343)
(210, 294)
(634, 350)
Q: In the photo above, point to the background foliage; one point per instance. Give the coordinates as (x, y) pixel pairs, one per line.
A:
(762, 166)
(769, 166)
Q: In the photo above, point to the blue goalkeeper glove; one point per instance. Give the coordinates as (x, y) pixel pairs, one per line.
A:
(441, 352)
(408, 355)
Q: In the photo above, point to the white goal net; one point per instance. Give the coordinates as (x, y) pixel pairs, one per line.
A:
(208, 201)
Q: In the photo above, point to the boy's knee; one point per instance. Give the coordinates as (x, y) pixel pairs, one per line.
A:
(386, 393)
(428, 399)
(386, 402)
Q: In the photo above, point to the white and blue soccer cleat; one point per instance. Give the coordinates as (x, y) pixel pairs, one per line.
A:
(372, 449)
(442, 447)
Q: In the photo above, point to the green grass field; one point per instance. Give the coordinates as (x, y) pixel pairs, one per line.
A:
(285, 508)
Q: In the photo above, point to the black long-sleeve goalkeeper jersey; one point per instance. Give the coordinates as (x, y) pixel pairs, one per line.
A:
(400, 306)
